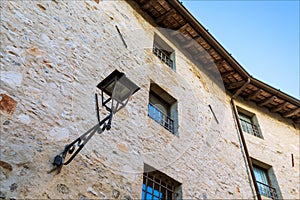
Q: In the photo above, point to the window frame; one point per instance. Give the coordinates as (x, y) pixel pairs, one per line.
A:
(251, 127)
(158, 185)
(268, 187)
(164, 52)
(168, 118)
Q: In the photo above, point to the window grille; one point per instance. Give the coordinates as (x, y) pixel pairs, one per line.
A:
(163, 56)
(158, 187)
(262, 180)
(248, 125)
(267, 190)
(250, 128)
(160, 117)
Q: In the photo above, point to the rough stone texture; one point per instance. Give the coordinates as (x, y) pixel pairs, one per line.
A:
(58, 51)
(280, 140)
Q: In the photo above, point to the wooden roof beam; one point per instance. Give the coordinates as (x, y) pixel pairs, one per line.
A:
(181, 29)
(280, 107)
(191, 42)
(165, 15)
(253, 96)
(238, 91)
(267, 101)
(147, 4)
(229, 73)
(292, 112)
(235, 85)
(297, 121)
(220, 62)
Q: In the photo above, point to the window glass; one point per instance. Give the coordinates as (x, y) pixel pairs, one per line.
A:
(158, 186)
(249, 126)
(164, 52)
(161, 108)
(261, 175)
(245, 118)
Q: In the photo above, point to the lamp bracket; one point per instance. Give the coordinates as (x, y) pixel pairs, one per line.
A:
(118, 96)
(74, 147)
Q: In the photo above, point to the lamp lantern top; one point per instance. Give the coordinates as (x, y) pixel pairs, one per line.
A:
(118, 87)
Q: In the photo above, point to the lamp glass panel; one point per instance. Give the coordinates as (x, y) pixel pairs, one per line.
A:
(121, 92)
(109, 88)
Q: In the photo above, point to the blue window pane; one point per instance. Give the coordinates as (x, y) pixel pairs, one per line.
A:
(149, 189)
(156, 193)
(151, 110)
(143, 195)
(149, 196)
(144, 187)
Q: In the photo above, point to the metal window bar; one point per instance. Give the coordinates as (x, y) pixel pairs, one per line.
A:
(164, 191)
(163, 56)
(267, 190)
(160, 117)
(250, 128)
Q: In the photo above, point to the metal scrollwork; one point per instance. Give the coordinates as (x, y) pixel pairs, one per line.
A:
(73, 148)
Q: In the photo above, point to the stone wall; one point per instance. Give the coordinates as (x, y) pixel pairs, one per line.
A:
(280, 141)
(53, 54)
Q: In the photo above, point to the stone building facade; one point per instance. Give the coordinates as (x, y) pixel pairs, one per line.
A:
(184, 135)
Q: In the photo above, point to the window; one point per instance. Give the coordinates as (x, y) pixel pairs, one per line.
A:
(249, 123)
(263, 182)
(266, 180)
(164, 52)
(162, 108)
(157, 185)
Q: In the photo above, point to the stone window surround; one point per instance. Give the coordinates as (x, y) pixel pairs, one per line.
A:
(270, 176)
(166, 104)
(158, 185)
(252, 126)
(160, 46)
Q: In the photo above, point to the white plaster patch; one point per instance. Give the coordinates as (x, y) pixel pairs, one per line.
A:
(23, 118)
(58, 133)
(13, 79)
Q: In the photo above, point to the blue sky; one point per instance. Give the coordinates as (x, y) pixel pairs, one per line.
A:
(263, 36)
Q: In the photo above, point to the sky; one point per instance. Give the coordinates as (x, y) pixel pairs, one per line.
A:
(263, 36)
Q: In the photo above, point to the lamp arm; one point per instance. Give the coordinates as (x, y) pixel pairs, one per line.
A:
(81, 141)
(59, 159)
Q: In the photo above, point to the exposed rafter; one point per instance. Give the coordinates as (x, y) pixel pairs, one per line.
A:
(267, 101)
(220, 62)
(147, 4)
(191, 42)
(280, 107)
(164, 16)
(253, 96)
(235, 85)
(292, 112)
(229, 73)
(239, 90)
(181, 29)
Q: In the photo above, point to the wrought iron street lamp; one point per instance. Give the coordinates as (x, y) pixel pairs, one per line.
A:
(116, 89)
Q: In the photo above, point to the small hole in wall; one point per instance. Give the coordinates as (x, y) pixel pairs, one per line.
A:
(41, 7)
(13, 53)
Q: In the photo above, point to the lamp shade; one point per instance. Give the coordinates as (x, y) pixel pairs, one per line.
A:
(118, 87)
